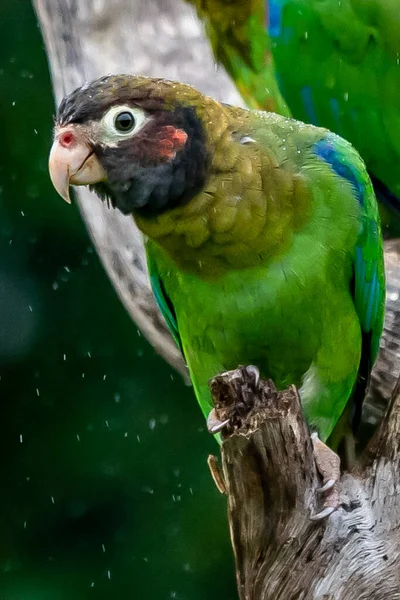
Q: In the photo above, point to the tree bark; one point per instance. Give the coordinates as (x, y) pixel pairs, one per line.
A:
(387, 369)
(270, 478)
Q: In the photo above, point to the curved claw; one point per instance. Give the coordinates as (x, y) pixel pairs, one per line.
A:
(328, 464)
(324, 514)
(328, 486)
(214, 425)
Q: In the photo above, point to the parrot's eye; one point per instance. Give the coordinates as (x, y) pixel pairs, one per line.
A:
(121, 122)
(124, 122)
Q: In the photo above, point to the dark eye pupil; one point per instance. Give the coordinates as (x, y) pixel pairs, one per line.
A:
(124, 121)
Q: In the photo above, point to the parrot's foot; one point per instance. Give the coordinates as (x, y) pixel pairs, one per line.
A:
(214, 425)
(328, 464)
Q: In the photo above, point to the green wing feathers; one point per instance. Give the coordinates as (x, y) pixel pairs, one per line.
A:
(163, 301)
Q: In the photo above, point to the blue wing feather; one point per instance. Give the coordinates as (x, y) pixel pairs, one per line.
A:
(369, 288)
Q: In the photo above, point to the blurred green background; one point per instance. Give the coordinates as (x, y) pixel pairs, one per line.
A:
(104, 488)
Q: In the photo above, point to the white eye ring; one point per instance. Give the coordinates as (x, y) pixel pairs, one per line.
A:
(110, 134)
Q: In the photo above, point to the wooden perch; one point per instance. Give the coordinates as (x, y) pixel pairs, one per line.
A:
(270, 479)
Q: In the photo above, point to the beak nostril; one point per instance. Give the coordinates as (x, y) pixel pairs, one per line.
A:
(67, 139)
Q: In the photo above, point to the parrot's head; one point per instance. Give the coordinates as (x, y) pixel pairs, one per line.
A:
(139, 143)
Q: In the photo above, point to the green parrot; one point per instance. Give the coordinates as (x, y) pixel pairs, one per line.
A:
(263, 236)
(336, 64)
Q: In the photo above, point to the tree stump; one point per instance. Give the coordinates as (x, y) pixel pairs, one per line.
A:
(270, 478)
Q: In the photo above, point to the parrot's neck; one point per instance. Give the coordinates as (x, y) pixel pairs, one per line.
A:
(243, 218)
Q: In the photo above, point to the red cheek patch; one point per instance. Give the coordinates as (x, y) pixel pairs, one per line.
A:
(172, 140)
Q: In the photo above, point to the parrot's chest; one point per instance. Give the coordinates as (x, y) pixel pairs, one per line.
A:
(272, 316)
(250, 320)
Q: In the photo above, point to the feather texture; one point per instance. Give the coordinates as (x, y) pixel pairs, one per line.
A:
(333, 64)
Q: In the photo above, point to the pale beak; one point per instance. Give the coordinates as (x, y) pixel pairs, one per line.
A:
(72, 161)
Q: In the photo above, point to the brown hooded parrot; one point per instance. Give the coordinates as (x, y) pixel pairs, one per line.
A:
(262, 236)
(332, 63)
